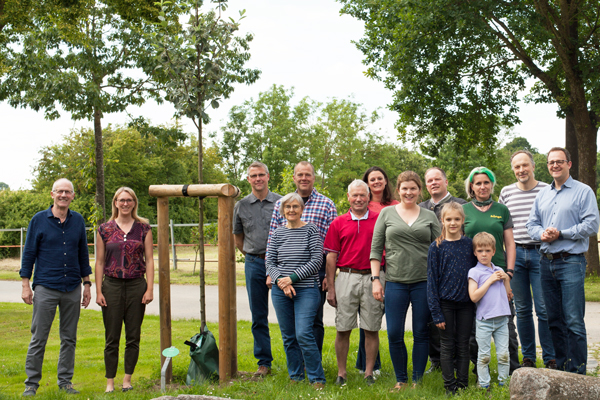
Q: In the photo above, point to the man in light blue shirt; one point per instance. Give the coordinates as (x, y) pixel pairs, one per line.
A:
(564, 216)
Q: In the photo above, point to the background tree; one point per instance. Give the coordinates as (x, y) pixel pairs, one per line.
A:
(202, 63)
(98, 63)
(457, 69)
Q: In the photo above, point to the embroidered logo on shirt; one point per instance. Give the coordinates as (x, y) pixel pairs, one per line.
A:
(496, 216)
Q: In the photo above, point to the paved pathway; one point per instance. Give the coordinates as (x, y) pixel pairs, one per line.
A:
(185, 304)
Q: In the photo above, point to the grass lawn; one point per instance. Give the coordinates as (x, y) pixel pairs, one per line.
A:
(89, 368)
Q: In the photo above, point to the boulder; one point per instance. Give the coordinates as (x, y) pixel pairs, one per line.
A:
(542, 384)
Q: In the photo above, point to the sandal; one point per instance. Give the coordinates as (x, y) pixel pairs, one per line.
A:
(127, 389)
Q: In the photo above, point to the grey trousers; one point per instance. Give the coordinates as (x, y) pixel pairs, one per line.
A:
(45, 302)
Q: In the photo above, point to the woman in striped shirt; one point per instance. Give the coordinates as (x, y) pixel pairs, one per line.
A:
(293, 259)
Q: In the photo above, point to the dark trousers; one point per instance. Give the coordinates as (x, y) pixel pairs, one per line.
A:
(258, 298)
(318, 326)
(434, 343)
(513, 341)
(123, 305)
(454, 341)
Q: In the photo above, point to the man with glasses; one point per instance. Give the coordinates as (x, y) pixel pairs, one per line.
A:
(56, 253)
(251, 220)
(564, 216)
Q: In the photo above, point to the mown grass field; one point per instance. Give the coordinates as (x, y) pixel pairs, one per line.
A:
(89, 369)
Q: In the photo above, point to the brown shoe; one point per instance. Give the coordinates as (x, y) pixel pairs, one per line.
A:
(400, 386)
(318, 386)
(552, 364)
(261, 372)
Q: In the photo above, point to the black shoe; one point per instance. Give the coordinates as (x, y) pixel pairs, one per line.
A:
(435, 366)
(340, 381)
(370, 380)
(528, 363)
(552, 364)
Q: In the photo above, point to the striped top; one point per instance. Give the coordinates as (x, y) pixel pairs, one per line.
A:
(519, 203)
(295, 251)
(318, 210)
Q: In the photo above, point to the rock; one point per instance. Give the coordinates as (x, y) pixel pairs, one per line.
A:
(542, 384)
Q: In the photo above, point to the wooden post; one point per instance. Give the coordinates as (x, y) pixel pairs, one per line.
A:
(227, 280)
(164, 280)
(227, 293)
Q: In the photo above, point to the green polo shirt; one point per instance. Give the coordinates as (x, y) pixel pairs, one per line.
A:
(494, 221)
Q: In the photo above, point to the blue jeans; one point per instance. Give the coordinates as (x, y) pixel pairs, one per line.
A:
(498, 329)
(562, 283)
(526, 281)
(258, 297)
(296, 317)
(398, 296)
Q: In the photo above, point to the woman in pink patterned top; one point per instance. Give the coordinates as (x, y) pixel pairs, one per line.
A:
(380, 192)
(124, 256)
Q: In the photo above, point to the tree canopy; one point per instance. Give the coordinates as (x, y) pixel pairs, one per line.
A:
(457, 68)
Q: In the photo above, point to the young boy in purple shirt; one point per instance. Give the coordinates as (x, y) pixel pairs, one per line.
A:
(489, 287)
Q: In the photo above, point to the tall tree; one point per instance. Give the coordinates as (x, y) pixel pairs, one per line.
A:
(202, 63)
(98, 64)
(457, 68)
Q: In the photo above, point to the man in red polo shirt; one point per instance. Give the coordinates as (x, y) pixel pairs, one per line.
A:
(348, 244)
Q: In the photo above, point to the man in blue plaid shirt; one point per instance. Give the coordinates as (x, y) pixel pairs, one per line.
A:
(319, 210)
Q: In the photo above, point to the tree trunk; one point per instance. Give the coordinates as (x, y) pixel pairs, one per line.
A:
(100, 200)
(201, 232)
(571, 145)
(587, 148)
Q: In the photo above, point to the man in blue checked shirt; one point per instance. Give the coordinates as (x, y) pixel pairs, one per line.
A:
(564, 216)
(57, 245)
(319, 210)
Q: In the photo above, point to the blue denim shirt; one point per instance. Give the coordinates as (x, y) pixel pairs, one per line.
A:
(58, 250)
(572, 210)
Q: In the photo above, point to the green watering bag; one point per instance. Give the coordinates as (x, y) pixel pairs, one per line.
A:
(204, 363)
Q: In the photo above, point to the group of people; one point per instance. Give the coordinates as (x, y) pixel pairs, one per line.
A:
(460, 265)
(56, 250)
(466, 268)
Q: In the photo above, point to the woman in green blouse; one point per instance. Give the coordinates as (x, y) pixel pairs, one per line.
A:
(405, 231)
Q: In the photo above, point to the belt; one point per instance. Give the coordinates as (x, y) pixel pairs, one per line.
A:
(556, 256)
(257, 255)
(528, 246)
(356, 271)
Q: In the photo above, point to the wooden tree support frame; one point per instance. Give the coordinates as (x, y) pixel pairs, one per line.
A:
(226, 194)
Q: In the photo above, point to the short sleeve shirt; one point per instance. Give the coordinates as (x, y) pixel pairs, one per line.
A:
(252, 217)
(124, 253)
(495, 301)
(494, 221)
(351, 240)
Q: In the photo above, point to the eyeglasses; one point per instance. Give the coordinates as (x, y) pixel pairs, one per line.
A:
(123, 201)
(254, 176)
(63, 192)
(556, 162)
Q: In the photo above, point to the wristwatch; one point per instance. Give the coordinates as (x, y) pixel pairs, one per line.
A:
(374, 277)
(87, 283)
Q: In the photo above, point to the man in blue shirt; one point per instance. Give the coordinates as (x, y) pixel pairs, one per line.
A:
(56, 244)
(564, 216)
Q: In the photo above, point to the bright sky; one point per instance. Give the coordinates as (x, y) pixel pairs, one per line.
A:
(304, 44)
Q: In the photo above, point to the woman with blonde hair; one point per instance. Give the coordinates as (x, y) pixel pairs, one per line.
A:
(124, 256)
